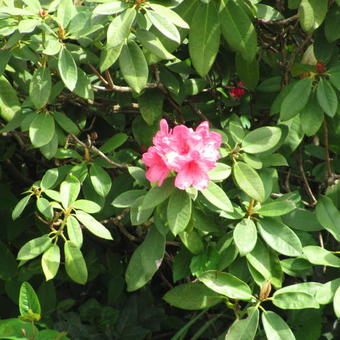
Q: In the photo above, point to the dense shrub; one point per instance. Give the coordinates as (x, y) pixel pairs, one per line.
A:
(230, 109)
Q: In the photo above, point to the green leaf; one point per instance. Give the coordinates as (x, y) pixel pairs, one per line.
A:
(114, 142)
(145, 260)
(296, 99)
(226, 284)
(172, 16)
(238, 30)
(66, 10)
(220, 172)
(87, 206)
(151, 105)
(109, 56)
(156, 195)
(100, 180)
(74, 263)
(164, 26)
(13, 329)
(42, 129)
(331, 25)
(245, 236)
(192, 296)
(45, 207)
(152, 43)
(133, 66)
(302, 219)
(327, 97)
(192, 241)
(276, 208)
(261, 139)
(74, 231)
(328, 216)
(249, 181)
(179, 211)
(334, 76)
(244, 329)
(312, 116)
(108, 8)
(9, 103)
(326, 293)
(68, 69)
(217, 197)
(119, 29)
(20, 206)
(139, 214)
(275, 327)
(34, 247)
(93, 225)
(40, 87)
(69, 190)
(66, 123)
(50, 149)
(294, 300)
(336, 303)
(204, 37)
(50, 262)
(311, 14)
(28, 301)
(321, 256)
(127, 198)
(279, 237)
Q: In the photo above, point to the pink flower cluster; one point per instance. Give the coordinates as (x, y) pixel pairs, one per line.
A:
(191, 154)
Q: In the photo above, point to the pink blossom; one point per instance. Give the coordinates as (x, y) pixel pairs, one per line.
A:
(190, 153)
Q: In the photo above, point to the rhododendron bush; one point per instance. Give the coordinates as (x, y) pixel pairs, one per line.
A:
(169, 169)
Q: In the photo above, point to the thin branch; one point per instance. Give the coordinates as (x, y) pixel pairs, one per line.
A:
(196, 109)
(326, 145)
(305, 180)
(279, 22)
(98, 152)
(98, 74)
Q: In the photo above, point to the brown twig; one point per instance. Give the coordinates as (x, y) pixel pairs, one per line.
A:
(305, 180)
(98, 74)
(196, 109)
(280, 22)
(98, 152)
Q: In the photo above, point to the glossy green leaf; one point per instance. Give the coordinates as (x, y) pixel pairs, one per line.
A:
(326, 293)
(296, 99)
(66, 123)
(157, 195)
(93, 225)
(45, 207)
(108, 56)
(226, 284)
(179, 211)
(244, 329)
(220, 172)
(249, 181)
(34, 248)
(217, 197)
(152, 43)
(261, 139)
(237, 29)
(328, 216)
(336, 303)
(119, 28)
(192, 296)
(151, 105)
(171, 15)
(204, 37)
(69, 190)
(20, 206)
(334, 76)
(321, 256)
(138, 213)
(28, 300)
(163, 25)
(66, 10)
(245, 236)
(145, 260)
(108, 8)
(133, 66)
(9, 103)
(40, 87)
(279, 237)
(312, 116)
(67, 69)
(311, 14)
(127, 198)
(275, 327)
(192, 241)
(327, 97)
(114, 142)
(74, 263)
(50, 262)
(87, 206)
(42, 129)
(100, 180)
(302, 219)
(294, 300)
(331, 25)
(74, 232)
(276, 208)
(13, 329)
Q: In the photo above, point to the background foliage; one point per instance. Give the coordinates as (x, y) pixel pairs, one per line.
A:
(83, 85)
